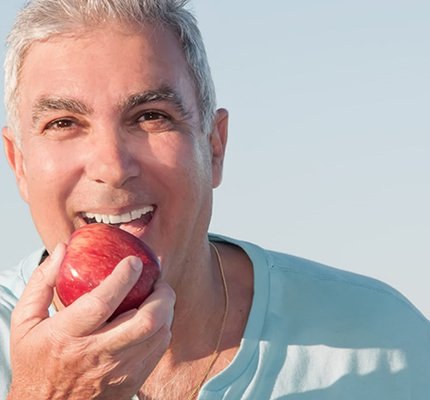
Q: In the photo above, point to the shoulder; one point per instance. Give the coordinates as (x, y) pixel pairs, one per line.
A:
(317, 297)
(328, 325)
(342, 314)
(349, 290)
(364, 303)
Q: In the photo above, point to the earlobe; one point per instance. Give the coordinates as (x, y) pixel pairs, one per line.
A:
(218, 140)
(15, 159)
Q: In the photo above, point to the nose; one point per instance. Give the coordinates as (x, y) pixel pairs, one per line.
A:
(111, 160)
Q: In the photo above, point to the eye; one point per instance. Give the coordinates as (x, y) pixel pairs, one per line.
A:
(151, 116)
(60, 124)
(154, 121)
(63, 128)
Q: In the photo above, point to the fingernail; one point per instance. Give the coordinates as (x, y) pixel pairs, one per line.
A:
(136, 264)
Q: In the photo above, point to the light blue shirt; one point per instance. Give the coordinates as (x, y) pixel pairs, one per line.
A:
(313, 333)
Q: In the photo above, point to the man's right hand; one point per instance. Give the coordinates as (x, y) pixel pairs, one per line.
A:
(76, 354)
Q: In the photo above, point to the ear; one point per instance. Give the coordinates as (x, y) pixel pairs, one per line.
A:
(16, 161)
(218, 140)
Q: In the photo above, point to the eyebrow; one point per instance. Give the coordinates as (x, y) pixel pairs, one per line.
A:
(165, 93)
(46, 103)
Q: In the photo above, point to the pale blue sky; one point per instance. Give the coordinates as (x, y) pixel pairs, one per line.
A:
(329, 144)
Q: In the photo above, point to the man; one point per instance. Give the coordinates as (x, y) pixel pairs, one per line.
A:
(111, 116)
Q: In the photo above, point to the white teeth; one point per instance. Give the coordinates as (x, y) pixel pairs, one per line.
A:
(117, 219)
(121, 218)
(135, 214)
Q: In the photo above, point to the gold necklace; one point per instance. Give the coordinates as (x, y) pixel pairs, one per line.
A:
(216, 352)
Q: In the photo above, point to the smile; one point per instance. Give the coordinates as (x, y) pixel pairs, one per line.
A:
(134, 215)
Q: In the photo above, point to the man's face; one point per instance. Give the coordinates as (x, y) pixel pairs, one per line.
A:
(111, 130)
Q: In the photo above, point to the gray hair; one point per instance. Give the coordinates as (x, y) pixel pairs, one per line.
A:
(41, 19)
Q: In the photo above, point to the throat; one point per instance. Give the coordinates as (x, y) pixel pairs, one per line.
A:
(201, 346)
(208, 288)
(197, 337)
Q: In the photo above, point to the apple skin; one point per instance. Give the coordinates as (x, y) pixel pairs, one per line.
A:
(92, 253)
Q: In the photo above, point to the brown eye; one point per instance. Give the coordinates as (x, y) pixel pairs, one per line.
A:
(154, 122)
(151, 116)
(63, 128)
(60, 124)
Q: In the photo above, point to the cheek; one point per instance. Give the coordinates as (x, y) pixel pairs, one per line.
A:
(50, 176)
(193, 184)
(185, 157)
(182, 166)
(47, 171)
(50, 182)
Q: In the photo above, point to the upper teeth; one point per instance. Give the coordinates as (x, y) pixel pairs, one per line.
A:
(121, 218)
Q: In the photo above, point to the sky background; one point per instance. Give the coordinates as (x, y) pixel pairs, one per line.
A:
(329, 146)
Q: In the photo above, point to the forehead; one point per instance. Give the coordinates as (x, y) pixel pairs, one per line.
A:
(104, 63)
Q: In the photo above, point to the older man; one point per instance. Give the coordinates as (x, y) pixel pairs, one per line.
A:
(112, 117)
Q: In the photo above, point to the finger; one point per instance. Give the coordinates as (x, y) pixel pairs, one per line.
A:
(91, 310)
(137, 326)
(38, 293)
(164, 297)
(146, 355)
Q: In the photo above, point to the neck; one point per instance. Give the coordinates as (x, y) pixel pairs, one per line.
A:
(196, 328)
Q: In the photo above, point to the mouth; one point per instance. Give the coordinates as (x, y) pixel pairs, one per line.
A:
(133, 221)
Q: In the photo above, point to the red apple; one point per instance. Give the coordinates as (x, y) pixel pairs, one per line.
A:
(92, 253)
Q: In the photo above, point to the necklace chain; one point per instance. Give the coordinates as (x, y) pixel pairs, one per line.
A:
(216, 352)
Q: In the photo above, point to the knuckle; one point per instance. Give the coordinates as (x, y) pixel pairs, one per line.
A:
(149, 323)
(15, 320)
(96, 306)
(167, 291)
(152, 324)
(171, 294)
(39, 274)
(66, 347)
(19, 318)
(166, 333)
(123, 277)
